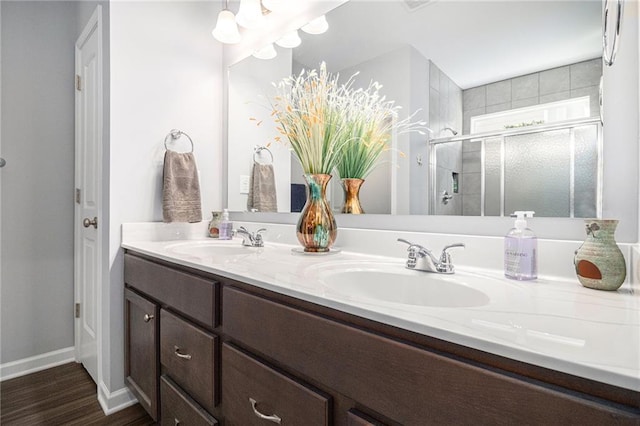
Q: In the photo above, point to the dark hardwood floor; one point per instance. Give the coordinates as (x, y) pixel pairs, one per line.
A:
(63, 395)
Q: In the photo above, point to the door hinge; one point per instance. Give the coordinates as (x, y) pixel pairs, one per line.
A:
(77, 313)
(78, 194)
(78, 83)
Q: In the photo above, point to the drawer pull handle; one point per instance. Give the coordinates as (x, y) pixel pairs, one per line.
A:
(179, 355)
(176, 422)
(272, 418)
(147, 317)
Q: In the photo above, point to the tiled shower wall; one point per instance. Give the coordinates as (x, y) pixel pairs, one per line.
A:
(556, 84)
(445, 110)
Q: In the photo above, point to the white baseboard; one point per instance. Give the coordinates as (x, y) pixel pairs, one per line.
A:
(116, 400)
(21, 367)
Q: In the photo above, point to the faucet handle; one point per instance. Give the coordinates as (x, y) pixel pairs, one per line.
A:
(445, 265)
(415, 251)
(257, 238)
(414, 248)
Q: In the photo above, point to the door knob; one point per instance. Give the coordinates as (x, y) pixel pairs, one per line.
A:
(2, 162)
(88, 222)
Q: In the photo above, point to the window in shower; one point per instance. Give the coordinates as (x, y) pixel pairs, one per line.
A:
(552, 112)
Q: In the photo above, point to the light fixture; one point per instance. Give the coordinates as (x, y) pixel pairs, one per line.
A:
(272, 5)
(267, 52)
(250, 14)
(290, 40)
(317, 26)
(226, 30)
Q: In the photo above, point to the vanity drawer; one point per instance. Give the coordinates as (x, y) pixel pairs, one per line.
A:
(179, 409)
(188, 356)
(193, 296)
(356, 418)
(252, 388)
(400, 381)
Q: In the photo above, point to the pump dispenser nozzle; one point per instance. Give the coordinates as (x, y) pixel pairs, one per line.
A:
(521, 222)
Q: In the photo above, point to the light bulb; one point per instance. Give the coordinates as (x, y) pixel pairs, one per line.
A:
(317, 26)
(226, 30)
(267, 52)
(272, 5)
(290, 40)
(250, 14)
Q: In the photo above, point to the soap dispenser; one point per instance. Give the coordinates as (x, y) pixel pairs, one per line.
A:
(521, 250)
(226, 226)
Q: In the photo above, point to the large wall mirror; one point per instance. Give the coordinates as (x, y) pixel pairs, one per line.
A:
(510, 90)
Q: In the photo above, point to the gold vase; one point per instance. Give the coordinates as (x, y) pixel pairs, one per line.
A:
(316, 229)
(351, 188)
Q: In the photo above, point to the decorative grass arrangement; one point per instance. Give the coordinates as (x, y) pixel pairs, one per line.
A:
(309, 110)
(334, 126)
(372, 120)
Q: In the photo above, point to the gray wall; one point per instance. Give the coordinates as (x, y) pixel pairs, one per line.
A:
(37, 126)
(556, 84)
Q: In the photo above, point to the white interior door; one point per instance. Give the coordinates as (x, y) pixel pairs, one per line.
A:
(88, 179)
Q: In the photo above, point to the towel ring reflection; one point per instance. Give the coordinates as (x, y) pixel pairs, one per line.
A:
(609, 56)
(256, 152)
(174, 135)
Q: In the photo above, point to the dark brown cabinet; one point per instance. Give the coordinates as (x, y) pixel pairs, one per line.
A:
(141, 350)
(260, 357)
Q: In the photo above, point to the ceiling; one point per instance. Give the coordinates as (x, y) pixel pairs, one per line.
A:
(474, 42)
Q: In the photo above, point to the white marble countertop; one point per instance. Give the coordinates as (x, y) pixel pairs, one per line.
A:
(553, 323)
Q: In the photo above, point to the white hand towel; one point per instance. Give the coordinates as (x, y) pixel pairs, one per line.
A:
(180, 189)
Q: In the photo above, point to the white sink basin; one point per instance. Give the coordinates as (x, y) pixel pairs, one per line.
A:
(212, 248)
(394, 284)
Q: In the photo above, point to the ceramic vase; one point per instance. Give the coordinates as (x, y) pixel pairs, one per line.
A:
(316, 229)
(351, 187)
(599, 262)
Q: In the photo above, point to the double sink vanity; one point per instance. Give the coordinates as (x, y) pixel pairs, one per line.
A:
(221, 333)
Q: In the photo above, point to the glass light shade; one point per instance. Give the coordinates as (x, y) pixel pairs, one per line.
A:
(226, 30)
(267, 52)
(290, 40)
(317, 26)
(273, 5)
(250, 14)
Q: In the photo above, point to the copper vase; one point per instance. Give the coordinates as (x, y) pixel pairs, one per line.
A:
(351, 188)
(316, 229)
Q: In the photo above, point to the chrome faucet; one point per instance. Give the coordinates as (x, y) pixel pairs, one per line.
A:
(421, 258)
(250, 239)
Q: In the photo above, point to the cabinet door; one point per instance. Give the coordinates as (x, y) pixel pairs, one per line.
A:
(141, 354)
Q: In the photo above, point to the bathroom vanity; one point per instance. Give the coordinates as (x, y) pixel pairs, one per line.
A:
(211, 339)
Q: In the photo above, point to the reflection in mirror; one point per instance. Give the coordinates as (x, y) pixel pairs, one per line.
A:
(513, 103)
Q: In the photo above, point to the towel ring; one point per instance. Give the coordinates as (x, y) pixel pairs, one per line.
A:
(174, 135)
(257, 150)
